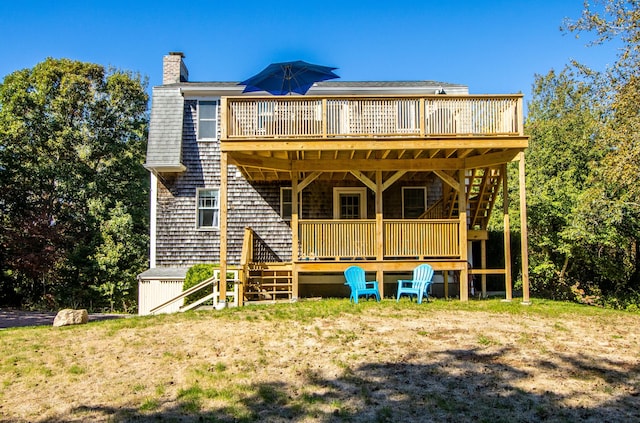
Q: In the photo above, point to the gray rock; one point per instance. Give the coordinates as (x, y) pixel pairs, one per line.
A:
(71, 317)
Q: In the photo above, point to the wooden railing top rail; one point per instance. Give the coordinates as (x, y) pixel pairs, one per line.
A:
(370, 96)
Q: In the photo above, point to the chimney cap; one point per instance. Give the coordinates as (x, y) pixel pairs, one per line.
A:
(177, 53)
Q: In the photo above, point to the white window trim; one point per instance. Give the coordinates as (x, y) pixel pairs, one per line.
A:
(206, 228)
(349, 190)
(282, 203)
(210, 99)
(416, 188)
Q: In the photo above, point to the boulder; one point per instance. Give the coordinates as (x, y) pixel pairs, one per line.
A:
(71, 317)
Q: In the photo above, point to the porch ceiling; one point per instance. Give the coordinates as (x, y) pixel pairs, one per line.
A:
(279, 160)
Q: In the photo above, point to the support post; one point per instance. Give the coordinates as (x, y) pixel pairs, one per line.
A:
(294, 234)
(483, 263)
(379, 232)
(462, 212)
(224, 207)
(524, 235)
(507, 235)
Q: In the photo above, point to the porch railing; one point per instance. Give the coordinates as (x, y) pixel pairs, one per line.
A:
(381, 116)
(422, 238)
(339, 239)
(333, 239)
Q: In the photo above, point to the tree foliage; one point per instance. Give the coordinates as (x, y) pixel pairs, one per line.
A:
(583, 166)
(73, 192)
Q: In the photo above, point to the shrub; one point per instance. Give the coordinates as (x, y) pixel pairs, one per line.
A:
(196, 274)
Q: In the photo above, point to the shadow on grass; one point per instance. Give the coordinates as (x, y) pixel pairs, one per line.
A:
(458, 385)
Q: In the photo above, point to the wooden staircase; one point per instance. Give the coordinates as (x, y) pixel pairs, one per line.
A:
(482, 187)
(268, 283)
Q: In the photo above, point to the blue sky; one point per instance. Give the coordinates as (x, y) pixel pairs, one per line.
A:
(491, 46)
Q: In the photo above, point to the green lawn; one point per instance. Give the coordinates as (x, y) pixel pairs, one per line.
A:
(329, 360)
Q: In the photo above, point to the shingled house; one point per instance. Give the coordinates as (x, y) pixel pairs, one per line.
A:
(288, 191)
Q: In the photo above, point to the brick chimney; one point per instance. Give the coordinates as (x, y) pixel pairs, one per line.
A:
(173, 68)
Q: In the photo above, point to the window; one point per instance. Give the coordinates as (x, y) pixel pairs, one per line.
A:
(208, 208)
(349, 203)
(414, 202)
(286, 202)
(208, 120)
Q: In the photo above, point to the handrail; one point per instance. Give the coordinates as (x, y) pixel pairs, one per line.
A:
(184, 294)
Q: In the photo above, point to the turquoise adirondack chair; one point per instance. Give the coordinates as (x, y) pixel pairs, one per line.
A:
(419, 285)
(359, 286)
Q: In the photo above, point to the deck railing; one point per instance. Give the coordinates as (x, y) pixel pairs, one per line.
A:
(334, 239)
(422, 238)
(340, 117)
(340, 239)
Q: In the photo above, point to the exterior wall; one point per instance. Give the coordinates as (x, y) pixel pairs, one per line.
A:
(392, 205)
(179, 243)
(317, 198)
(152, 293)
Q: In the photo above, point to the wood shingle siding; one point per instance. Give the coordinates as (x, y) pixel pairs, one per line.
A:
(179, 242)
(165, 131)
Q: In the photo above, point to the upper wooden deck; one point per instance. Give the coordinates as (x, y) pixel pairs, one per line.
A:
(271, 138)
(378, 117)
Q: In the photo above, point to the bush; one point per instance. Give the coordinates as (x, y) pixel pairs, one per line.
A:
(196, 274)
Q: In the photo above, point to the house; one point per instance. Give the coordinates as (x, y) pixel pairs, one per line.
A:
(386, 175)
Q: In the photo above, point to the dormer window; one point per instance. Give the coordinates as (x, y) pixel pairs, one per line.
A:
(208, 120)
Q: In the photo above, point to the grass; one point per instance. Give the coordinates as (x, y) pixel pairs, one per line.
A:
(330, 360)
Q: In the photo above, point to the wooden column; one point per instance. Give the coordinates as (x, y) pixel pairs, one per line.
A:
(379, 232)
(294, 234)
(483, 263)
(507, 234)
(524, 234)
(224, 207)
(462, 212)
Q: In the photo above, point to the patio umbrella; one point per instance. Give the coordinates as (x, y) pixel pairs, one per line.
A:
(288, 77)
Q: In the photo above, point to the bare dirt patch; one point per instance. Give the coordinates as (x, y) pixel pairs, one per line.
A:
(330, 362)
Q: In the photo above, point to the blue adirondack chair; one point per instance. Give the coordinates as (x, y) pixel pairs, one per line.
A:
(419, 285)
(359, 286)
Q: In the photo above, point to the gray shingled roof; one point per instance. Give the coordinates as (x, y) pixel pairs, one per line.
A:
(165, 131)
(176, 273)
(337, 87)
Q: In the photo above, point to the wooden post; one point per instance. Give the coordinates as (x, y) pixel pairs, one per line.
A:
(423, 114)
(445, 279)
(462, 212)
(223, 118)
(507, 235)
(483, 263)
(224, 173)
(379, 232)
(524, 235)
(294, 234)
(324, 118)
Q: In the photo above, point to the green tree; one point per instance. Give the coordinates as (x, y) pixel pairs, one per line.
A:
(583, 166)
(72, 143)
(615, 189)
(563, 122)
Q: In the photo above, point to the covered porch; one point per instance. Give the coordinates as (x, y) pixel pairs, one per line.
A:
(465, 141)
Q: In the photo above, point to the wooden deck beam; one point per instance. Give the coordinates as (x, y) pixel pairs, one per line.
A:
(373, 143)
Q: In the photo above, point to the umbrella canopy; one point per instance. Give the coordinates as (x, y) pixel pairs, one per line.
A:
(288, 77)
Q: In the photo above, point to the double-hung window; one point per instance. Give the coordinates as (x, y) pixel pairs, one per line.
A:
(414, 202)
(208, 119)
(286, 203)
(208, 202)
